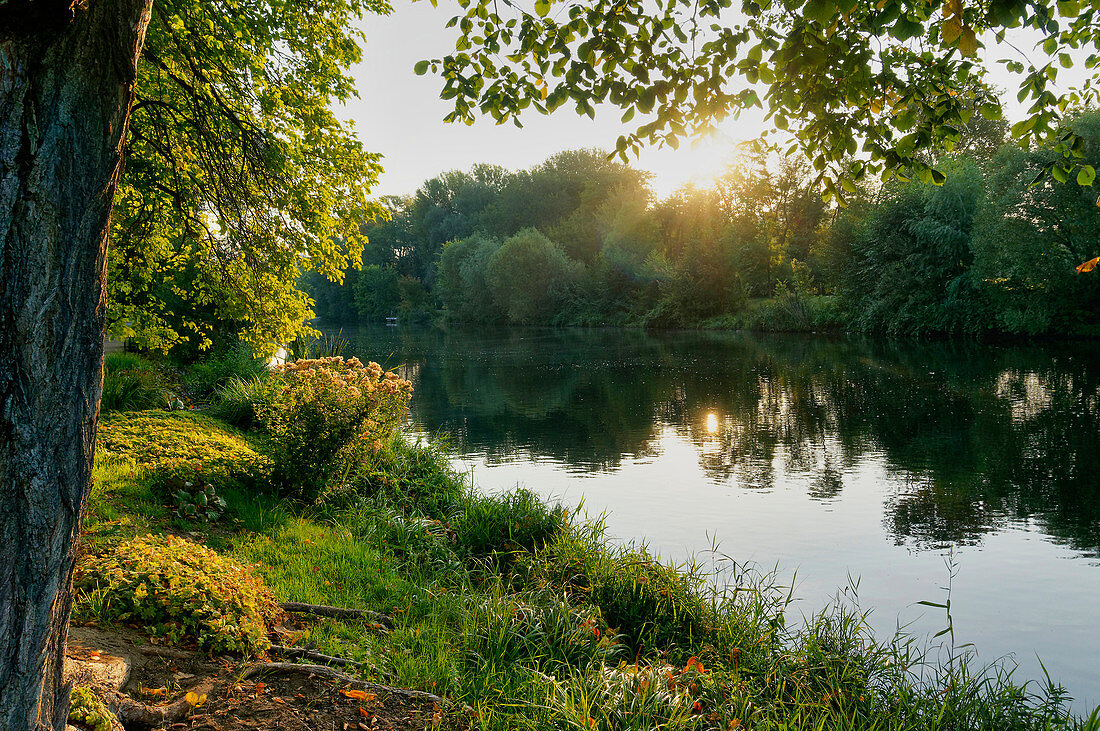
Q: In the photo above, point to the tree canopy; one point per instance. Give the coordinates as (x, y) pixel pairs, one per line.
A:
(239, 176)
(865, 86)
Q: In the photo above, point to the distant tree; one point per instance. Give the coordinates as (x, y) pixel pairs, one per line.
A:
(376, 294)
(461, 280)
(448, 207)
(1028, 238)
(909, 272)
(530, 277)
(564, 197)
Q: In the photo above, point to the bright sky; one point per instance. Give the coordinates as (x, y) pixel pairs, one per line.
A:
(400, 115)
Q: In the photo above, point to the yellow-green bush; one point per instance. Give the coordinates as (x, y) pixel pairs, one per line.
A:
(160, 439)
(88, 710)
(177, 590)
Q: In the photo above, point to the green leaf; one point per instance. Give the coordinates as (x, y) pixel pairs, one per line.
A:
(542, 7)
(421, 68)
(1086, 175)
(823, 11)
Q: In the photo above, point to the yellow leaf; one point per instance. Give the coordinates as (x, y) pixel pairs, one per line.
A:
(1089, 265)
(195, 699)
(951, 29)
(968, 42)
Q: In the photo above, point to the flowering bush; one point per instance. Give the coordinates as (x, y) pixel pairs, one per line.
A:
(329, 413)
(177, 590)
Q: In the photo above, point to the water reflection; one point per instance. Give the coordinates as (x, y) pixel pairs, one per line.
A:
(972, 437)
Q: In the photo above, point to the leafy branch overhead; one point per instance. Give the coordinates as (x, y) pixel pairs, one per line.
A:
(864, 86)
(239, 175)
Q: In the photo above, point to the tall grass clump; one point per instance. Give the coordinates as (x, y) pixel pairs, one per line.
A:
(414, 478)
(325, 416)
(132, 383)
(653, 605)
(239, 400)
(314, 345)
(498, 527)
(203, 378)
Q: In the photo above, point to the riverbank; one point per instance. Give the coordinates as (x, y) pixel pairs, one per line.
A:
(519, 612)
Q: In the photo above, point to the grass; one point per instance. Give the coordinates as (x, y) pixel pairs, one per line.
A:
(203, 378)
(529, 616)
(132, 382)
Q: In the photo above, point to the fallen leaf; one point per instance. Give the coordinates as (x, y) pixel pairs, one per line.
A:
(153, 691)
(94, 654)
(1089, 265)
(195, 699)
(364, 713)
(359, 695)
(277, 699)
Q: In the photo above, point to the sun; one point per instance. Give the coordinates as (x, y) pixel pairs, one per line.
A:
(698, 163)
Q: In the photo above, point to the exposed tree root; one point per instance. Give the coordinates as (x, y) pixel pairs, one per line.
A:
(324, 671)
(136, 715)
(338, 613)
(297, 652)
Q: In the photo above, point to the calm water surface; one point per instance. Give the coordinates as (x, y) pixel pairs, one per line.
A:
(828, 457)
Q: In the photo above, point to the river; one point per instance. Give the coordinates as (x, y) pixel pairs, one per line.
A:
(834, 460)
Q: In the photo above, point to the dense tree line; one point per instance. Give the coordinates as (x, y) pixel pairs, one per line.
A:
(579, 240)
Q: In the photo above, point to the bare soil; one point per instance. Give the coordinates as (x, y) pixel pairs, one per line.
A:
(293, 701)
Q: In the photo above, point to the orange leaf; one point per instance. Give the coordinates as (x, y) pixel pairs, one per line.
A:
(360, 695)
(1089, 265)
(693, 662)
(154, 691)
(364, 713)
(278, 700)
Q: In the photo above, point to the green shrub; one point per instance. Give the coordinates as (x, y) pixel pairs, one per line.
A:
(177, 590)
(163, 440)
(326, 415)
(87, 709)
(415, 478)
(239, 400)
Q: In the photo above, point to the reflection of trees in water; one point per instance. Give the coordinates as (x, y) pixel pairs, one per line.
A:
(973, 436)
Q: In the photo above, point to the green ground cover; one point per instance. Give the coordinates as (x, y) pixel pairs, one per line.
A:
(524, 611)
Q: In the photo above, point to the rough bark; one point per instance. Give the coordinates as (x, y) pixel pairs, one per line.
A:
(66, 75)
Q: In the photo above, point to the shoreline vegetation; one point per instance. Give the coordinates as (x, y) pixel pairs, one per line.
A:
(580, 240)
(208, 517)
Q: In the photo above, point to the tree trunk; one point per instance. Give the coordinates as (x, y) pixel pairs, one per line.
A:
(67, 69)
